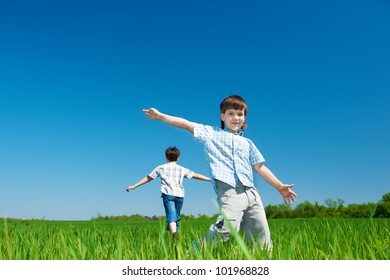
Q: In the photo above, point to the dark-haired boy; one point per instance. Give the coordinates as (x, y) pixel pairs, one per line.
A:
(172, 189)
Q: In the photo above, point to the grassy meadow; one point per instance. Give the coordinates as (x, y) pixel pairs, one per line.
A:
(293, 239)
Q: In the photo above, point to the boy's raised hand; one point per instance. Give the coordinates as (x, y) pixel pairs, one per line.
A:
(288, 195)
(152, 113)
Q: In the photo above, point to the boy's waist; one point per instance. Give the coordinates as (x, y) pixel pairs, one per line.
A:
(235, 185)
(234, 181)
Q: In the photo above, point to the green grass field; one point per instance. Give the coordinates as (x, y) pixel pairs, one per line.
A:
(295, 239)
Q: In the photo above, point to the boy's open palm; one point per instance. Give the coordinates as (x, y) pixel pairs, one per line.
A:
(288, 195)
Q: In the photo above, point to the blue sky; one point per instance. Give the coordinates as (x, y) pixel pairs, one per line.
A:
(75, 76)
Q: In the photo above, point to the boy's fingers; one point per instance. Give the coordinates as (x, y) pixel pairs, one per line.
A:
(293, 193)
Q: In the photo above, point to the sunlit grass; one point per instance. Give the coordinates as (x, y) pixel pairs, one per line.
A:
(293, 239)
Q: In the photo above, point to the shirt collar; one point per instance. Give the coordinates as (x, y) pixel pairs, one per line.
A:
(240, 132)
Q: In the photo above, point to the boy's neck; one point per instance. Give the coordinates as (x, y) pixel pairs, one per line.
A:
(239, 132)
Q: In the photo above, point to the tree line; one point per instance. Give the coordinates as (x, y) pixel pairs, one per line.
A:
(331, 209)
(306, 209)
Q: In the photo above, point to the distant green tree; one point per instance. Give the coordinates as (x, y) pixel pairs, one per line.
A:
(383, 209)
(270, 211)
(320, 210)
(203, 217)
(330, 203)
(304, 210)
(360, 210)
(386, 197)
(335, 208)
(279, 211)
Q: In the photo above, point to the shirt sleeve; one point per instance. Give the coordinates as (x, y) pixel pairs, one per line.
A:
(189, 173)
(255, 156)
(155, 173)
(202, 132)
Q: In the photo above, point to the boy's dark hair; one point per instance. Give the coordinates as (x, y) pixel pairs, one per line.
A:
(233, 102)
(172, 153)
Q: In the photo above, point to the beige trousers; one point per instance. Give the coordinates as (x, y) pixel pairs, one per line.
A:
(240, 207)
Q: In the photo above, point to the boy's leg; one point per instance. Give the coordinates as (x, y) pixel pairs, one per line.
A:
(254, 223)
(232, 202)
(178, 206)
(170, 211)
(172, 227)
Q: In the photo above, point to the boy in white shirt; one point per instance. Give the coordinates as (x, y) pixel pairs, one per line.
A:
(172, 189)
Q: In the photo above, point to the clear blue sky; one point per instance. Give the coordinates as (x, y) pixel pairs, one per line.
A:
(75, 76)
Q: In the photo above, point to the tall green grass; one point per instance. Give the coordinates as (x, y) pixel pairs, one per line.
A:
(293, 239)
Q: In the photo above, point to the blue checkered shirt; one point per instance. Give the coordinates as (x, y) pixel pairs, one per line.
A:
(172, 176)
(230, 156)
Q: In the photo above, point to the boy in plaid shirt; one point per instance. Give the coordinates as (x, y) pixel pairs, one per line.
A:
(172, 190)
(232, 158)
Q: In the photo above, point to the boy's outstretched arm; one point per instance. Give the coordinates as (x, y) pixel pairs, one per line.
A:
(141, 182)
(284, 189)
(201, 177)
(154, 114)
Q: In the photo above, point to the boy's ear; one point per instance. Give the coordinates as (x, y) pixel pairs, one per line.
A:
(222, 117)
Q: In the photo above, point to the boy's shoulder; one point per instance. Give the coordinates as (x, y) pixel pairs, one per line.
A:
(206, 127)
(201, 125)
(170, 166)
(161, 166)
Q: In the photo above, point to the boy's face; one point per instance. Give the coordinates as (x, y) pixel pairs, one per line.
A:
(233, 119)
